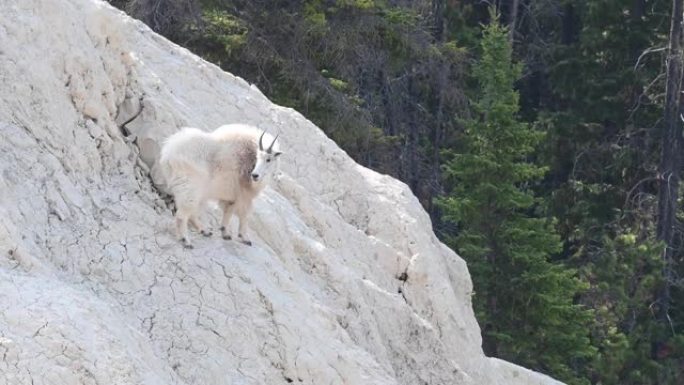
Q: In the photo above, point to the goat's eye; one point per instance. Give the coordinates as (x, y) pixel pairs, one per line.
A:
(268, 160)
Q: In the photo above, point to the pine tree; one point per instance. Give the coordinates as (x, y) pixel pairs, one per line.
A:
(524, 301)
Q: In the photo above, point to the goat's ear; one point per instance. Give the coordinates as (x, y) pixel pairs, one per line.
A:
(277, 153)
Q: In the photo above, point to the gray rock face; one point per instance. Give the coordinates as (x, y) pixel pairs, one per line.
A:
(94, 289)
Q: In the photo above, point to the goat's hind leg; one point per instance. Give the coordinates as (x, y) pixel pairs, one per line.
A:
(188, 204)
(182, 216)
(186, 211)
(243, 213)
(227, 207)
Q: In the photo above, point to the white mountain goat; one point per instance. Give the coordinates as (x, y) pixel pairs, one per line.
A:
(229, 165)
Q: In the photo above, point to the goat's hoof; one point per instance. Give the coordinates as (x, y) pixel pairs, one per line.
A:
(227, 237)
(206, 233)
(186, 244)
(245, 241)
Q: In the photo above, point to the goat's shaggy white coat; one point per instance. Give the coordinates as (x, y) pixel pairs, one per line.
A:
(227, 165)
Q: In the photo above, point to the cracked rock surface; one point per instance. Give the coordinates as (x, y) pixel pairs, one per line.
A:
(345, 283)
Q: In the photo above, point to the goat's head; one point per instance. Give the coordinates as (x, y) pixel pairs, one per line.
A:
(266, 157)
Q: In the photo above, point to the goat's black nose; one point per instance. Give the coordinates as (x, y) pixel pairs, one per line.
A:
(255, 176)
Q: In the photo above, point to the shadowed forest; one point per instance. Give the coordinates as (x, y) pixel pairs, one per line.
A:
(543, 137)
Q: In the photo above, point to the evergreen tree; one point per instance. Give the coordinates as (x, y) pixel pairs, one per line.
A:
(524, 301)
(599, 86)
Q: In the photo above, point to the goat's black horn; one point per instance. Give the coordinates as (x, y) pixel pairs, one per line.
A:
(261, 144)
(272, 143)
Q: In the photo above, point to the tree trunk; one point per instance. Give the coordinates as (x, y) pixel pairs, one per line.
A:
(670, 162)
(439, 26)
(412, 135)
(437, 129)
(438, 21)
(637, 14)
(569, 25)
(513, 21)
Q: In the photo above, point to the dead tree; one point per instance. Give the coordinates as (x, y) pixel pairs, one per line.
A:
(670, 159)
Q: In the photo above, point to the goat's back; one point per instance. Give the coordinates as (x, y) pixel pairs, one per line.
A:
(189, 145)
(243, 133)
(237, 133)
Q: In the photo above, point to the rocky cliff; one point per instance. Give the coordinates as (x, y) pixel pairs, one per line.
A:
(345, 283)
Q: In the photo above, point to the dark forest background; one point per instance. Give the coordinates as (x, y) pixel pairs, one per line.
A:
(542, 136)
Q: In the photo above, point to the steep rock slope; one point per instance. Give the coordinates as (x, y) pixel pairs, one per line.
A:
(346, 283)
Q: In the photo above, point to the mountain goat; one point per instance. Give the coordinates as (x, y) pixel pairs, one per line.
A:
(229, 165)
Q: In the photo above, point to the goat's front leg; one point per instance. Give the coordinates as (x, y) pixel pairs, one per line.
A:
(243, 213)
(227, 207)
(194, 221)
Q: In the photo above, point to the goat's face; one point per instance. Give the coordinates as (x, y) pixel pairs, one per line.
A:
(265, 160)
